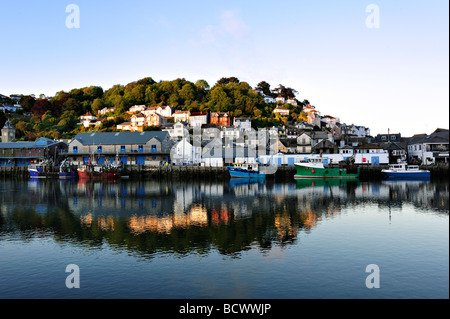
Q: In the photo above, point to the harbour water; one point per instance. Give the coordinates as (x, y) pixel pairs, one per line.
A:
(230, 239)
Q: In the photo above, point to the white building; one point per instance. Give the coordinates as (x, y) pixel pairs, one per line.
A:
(88, 119)
(429, 149)
(137, 108)
(243, 124)
(198, 119)
(181, 116)
(184, 153)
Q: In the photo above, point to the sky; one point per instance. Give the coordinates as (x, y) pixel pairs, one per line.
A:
(379, 64)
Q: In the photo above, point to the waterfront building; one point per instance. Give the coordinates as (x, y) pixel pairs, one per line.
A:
(184, 153)
(135, 148)
(429, 149)
(26, 153)
(371, 154)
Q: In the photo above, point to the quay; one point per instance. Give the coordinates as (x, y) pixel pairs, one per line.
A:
(367, 172)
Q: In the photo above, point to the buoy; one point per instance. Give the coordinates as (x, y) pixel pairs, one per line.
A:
(313, 171)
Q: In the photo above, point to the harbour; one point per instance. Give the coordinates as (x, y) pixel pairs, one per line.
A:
(227, 238)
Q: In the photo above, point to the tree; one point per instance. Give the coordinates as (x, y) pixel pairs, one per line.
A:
(3, 119)
(202, 85)
(40, 107)
(264, 87)
(225, 81)
(27, 102)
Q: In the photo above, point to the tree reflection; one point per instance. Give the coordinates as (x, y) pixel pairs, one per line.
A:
(168, 217)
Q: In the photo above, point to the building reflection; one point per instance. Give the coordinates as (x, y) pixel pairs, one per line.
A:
(182, 217)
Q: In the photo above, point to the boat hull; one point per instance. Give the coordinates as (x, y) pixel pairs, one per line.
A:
(241, 173)
(67, 175)
(82, 174)
(305, 172)
(406, 174)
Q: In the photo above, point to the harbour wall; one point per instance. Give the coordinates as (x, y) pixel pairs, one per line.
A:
(367, 173)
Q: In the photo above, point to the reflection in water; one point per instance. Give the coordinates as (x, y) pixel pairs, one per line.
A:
(155, 217)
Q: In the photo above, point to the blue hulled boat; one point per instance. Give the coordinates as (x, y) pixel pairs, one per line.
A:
(245, 170)
(404, 171)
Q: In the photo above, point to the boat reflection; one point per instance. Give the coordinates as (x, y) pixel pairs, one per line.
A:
(172, 216)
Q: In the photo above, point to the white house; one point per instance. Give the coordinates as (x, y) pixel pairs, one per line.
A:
(243, 124)
(177, 130)
(356, 130)
(184, 153)
(197, 119)
(88, 119)
(181, 116)
(429, 149)
(137, 108)
(165, 111)
(330, 121)
(292, 101)
(281, 110)
(269, 99)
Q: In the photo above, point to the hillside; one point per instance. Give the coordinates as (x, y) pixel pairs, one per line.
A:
(58, 116)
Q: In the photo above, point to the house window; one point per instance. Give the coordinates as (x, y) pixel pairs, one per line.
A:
(383, 138)
(141, 148)
(153, 148)
(393, 137)
(99, 149)
(122, 149)
(75, 149)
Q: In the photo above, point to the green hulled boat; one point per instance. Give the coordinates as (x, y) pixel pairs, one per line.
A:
(314, 168)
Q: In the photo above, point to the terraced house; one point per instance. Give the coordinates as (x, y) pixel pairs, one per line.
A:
(130, 148)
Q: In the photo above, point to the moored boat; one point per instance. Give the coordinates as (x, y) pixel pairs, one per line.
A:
(246, 170)
(97, 172)
(314, 168)
(402, 170)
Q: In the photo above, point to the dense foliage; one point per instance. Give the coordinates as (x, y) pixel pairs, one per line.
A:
(58, 117)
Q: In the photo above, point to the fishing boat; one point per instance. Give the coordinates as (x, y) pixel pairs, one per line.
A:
(246, 170)
(65, 171)
(91, 171)
(36, 171)
(97, 172)
(314, 168)
(402, 170)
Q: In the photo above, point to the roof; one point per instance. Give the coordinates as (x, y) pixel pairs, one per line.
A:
(368, 146)
(41, 142)
(122, 138)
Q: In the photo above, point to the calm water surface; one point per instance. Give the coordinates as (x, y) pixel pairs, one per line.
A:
(174, 239)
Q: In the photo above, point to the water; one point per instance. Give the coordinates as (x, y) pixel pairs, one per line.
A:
(175, 239)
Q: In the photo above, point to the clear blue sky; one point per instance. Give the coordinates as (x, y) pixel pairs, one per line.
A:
(393, 77)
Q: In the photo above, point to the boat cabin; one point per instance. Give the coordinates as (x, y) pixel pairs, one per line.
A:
(246, 166)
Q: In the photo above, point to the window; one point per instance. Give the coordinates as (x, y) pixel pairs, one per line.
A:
(122, 149)
(383, 138)
(99, 149)
(153, 148)
(141, 148)
(393, 137)
(75, 149)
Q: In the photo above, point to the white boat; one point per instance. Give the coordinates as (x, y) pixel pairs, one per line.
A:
(403, 170)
